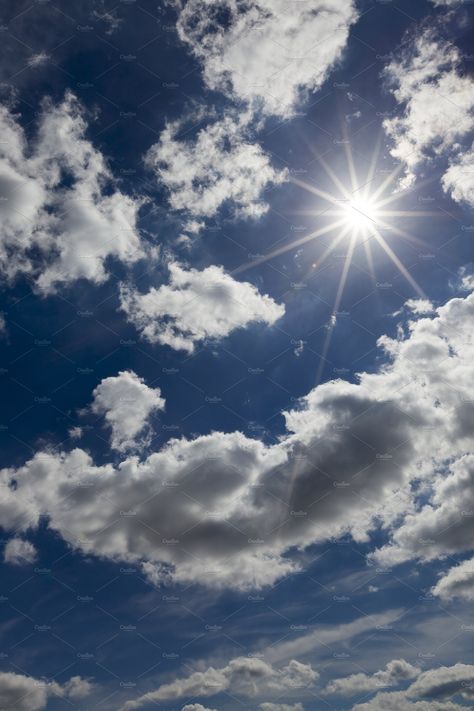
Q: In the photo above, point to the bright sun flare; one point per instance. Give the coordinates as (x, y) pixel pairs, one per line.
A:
(360, 214)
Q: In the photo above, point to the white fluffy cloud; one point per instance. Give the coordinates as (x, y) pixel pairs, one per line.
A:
(58, 200)
(197, 305)
(419, 306)
(399, 701)
(431, 691)
(126, 403)
(25, 693)
(220, 165)
(245, 676)
(444, 682)
(445, 524)
(449, 3)
(225, 510)
(19, 552)
(458, 582)
(458, 180)
(437, 101)
(395, 672)
(268, 53)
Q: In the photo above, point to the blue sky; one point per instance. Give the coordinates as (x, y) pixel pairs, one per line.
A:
(236, 331)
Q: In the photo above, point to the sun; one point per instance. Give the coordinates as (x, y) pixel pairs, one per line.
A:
(356, 214)
(360, 214)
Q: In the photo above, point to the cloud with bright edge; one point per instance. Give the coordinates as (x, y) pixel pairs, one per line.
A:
(219, 165)
(458, 179)
(19, 552)
(269, 54)
(224, 509)
(19, 692)
(449, 3)
(195, 306)
(444, 682)
(430, 691)
(395, 672)
(437, 103)
(126, 403)
(58, 198)
(399, 701)
(458, 582)
(246, 676)
(252, 677)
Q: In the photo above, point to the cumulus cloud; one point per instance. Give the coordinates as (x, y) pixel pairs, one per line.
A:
(267, 53)
(395, 672)
(226, 510)
(19, 552)
(419, 306)
(126, 403)
(220, 165)
(449, 3)
(59, 202)
(399, 701)
(246, 676)
(458, 582)
(444, 525)
(196, 707)
(195, 306)
(269, 706)
(444, 682)
(437, 101)
(458, 180)
(25, 693)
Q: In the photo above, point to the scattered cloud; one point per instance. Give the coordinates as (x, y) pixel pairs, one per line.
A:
(395, 672)
(420, 306)
(437, 101)
(458, 582)
(126, 403)
(444, 682)
(58, 201)
(109, 19)
(25, 693)
(245, 676)
(19, 552)
(225, 510)
(266, 53)
(445, 524)
(458, 180)
(449, 3)
(219, 165)
(399, 701)
(195, 306)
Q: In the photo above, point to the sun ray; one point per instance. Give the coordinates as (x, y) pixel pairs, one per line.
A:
(390, 179)
(369, 258)
(337, 302)
(402, 233)
(372, 166)
(350, 160)
(401, 267)
(335, 179)
(315, 191)
(290, 245)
